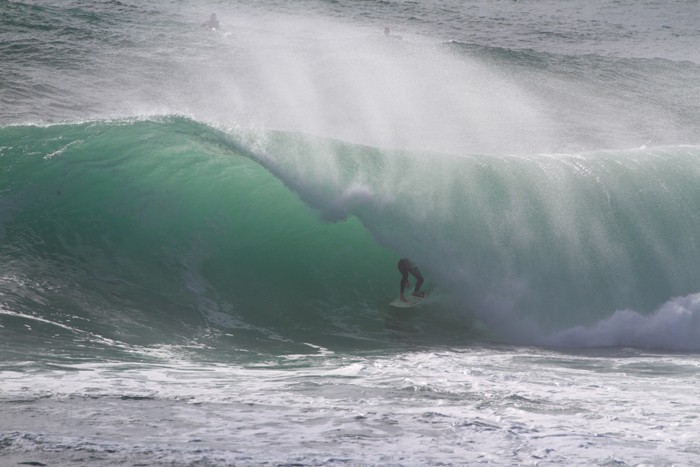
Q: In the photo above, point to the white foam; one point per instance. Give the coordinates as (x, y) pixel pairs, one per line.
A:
(674, 326)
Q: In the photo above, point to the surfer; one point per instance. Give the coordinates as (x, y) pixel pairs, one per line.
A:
(387, 33)
(406, 267)
(212, 23)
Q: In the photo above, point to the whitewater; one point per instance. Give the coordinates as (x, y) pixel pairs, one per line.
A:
(200, 229)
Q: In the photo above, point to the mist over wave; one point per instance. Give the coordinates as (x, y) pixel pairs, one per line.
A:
(276, 67)
(533, 244)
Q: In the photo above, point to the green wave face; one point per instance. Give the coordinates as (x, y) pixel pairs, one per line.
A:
(164, 230)
(145, 229)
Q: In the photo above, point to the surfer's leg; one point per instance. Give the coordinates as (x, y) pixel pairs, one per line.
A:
(419, 282)
(403, 269)
(404, 283)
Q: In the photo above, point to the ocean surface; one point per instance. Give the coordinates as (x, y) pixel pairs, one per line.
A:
(199, 232)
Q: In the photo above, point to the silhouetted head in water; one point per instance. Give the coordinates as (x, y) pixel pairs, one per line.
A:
(212, 23)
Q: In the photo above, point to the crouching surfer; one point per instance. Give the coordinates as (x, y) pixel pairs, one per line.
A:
(406, 267)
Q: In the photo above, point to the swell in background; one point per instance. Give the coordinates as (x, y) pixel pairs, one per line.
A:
(464, 80)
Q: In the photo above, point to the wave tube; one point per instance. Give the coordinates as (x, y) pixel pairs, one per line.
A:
(143, 230)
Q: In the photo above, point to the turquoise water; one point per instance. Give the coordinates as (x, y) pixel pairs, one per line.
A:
(199, 232)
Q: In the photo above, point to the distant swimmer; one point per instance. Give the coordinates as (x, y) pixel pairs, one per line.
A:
(406, 267)
(387, 33)
(213, 23)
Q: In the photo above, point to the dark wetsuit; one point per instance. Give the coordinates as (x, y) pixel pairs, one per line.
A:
(406, 267)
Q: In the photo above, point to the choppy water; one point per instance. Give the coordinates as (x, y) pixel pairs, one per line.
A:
(199, 232)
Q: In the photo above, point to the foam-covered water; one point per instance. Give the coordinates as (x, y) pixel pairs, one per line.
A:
(199, 232)
(461, 406)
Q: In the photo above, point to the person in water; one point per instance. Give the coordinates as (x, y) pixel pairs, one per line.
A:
(406, 267)
(213, 22)
(387, 33)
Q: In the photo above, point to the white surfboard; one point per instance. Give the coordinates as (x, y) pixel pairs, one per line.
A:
(411, 301)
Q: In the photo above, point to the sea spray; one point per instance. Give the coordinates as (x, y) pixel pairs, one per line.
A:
(540, 242)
